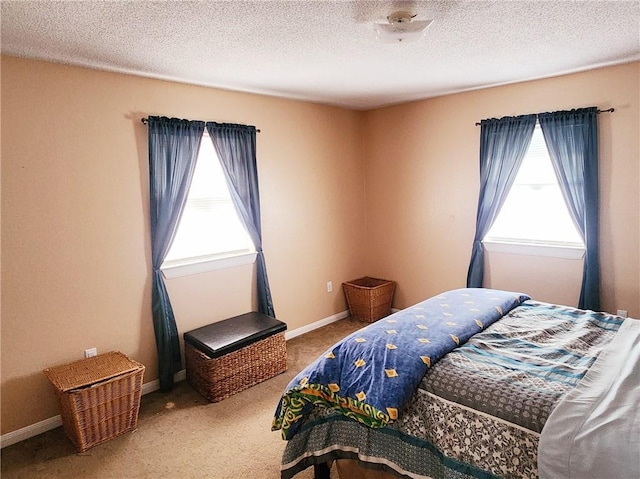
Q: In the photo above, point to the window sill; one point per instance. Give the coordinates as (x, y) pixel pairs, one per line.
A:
(213, 264)
(554, 251)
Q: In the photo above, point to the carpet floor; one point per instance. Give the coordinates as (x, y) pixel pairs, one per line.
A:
(181, 435)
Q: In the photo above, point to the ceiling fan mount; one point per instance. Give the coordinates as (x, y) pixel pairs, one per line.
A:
(401, 17)
(401, 27)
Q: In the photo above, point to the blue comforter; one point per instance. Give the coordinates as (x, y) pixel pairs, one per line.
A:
(370, 374)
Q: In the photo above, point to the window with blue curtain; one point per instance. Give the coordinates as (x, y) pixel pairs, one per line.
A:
(571, 138)
(174, 145)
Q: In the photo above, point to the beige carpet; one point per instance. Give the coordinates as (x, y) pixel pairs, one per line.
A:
(181, 435)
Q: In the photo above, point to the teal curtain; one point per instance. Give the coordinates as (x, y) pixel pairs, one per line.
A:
(236, 148)
(503, 144)
(173, 150)
(572, 141)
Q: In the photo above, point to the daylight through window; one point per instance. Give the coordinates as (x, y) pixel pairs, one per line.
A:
(535, 211)
(210, 227)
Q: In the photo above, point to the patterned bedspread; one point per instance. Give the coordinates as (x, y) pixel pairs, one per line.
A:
(479, 411)
(370, 375)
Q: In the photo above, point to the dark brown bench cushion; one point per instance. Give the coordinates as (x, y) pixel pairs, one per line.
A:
(235, 333)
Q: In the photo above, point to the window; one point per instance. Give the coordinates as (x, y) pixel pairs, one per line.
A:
(535, 212)
(210, 229)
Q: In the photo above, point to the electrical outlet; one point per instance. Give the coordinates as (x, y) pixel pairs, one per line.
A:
(329, 286)
(622, 313)
(89, 353)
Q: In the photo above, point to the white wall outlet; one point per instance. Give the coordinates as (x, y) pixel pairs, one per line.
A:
(622, 313)
(89, 353)
(329, 286)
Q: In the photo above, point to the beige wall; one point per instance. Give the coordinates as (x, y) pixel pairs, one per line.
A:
(75, 240)
(423, 178)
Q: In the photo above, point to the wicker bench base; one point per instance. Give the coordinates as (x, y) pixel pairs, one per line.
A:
(218, 378)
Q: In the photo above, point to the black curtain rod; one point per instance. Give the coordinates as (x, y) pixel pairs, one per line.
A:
(610, 110)
(146, 120)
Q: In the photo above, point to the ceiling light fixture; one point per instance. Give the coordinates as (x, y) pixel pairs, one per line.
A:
(401, 28)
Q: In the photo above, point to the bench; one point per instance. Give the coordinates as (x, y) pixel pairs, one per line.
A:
(232, 355)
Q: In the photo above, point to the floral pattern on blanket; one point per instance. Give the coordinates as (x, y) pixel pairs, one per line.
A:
(471, 437)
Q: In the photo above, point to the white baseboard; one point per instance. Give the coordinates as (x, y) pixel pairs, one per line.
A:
(154, 385)
(18, 435)
(318, 324)
(40, 427)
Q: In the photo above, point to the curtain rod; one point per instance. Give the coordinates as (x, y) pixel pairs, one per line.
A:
(610, 110)
(144, 121)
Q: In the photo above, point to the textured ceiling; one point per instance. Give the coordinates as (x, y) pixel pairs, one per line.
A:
(326, 51)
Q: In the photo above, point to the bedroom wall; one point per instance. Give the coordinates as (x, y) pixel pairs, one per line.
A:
(75, 243)
(75, 235)
(423, 179)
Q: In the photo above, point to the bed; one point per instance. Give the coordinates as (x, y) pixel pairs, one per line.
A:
(494, 385)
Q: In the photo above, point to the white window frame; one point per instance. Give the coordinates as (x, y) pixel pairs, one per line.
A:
(555, 249)
(201, 264)
(176, 269)
(534, 249)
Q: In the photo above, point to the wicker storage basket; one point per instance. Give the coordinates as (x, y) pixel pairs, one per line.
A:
(219, 378)
(99, 397)
(369, 299)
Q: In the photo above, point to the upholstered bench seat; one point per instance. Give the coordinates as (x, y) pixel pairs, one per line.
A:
(232, 355)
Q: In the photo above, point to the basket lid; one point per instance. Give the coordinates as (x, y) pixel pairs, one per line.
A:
(86, 372)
